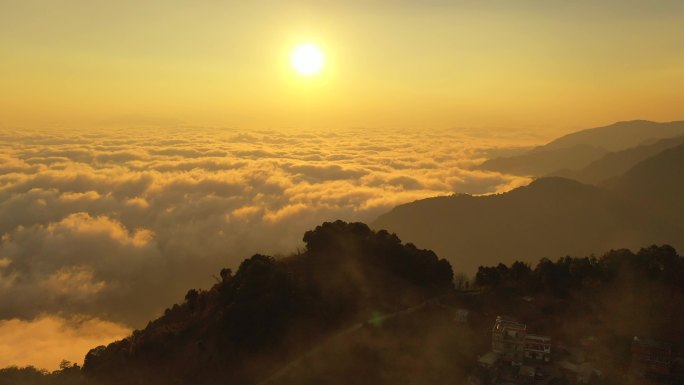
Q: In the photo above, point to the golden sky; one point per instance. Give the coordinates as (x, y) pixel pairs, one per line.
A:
(551, 64)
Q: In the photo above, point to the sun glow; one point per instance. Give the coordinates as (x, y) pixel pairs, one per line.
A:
(307, 59)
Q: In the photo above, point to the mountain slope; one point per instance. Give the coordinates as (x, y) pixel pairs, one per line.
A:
(250, 324)
(552, 217)
(543, 161)
(617, 163)
(579, 149)
(620, 135)
(656, 183)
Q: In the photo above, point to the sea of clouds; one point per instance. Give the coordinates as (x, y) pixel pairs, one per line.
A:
(108, 227)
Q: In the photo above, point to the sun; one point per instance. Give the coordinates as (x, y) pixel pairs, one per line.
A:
(307, 59)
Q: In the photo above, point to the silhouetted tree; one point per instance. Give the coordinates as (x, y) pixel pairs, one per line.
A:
(659, 264)
(191, 296)
(226, 274)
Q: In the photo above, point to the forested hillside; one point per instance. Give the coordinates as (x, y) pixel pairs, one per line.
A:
(253, 321)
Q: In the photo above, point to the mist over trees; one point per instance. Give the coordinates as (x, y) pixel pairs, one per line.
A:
(270, 309)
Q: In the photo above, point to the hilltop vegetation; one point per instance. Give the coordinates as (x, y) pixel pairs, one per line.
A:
(68, 374)
(659, 264)
(250, 322)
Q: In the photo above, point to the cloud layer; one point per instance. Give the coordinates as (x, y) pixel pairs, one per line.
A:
(118, 224)
(46, 340)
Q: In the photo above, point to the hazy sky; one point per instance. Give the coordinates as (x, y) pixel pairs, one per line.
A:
(429, 64)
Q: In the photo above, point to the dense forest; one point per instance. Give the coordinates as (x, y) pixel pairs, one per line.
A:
(659, 265)
(68, 374)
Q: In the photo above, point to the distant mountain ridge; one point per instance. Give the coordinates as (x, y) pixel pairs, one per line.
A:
(657, 182)
(541, 161)
(616, 163)
(620, 135)
(552, 217)
(578, 150)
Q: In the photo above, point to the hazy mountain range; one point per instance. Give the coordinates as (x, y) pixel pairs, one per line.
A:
(581, 149)
(616, 163)
(635, 201)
